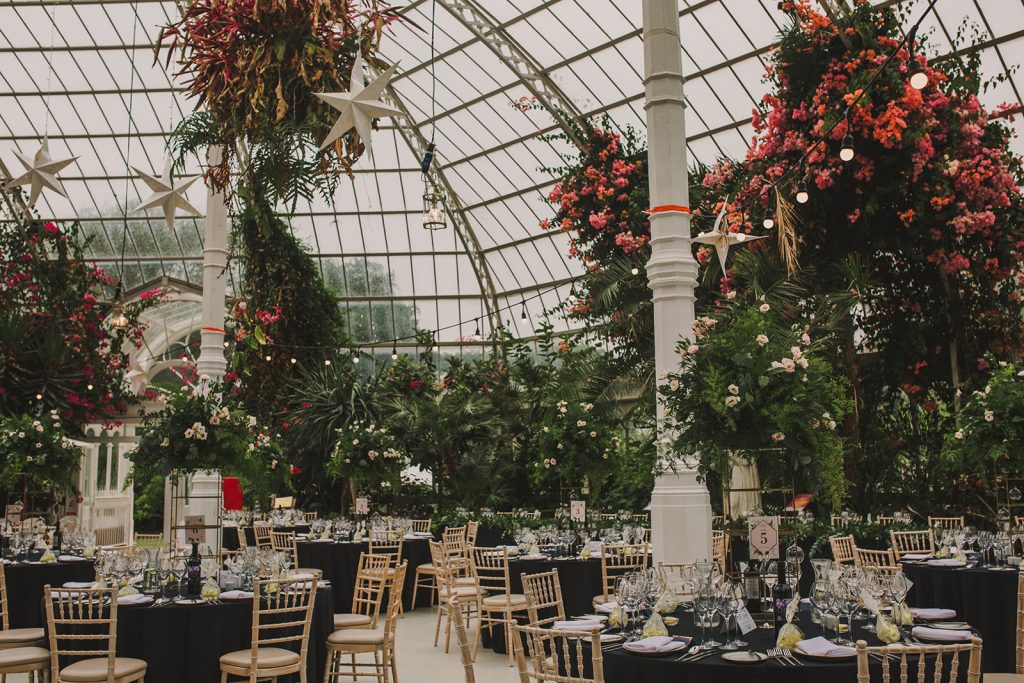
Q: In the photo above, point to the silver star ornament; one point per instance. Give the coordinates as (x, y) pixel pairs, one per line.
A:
(167, 195)
(40, 172)
(360, 105)
(720, 240)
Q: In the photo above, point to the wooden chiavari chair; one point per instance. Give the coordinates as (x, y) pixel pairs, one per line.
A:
(617, 560)
(490, 568)
(557, 656)
(462, 638)
(862, 557)
(261, 532)
(243, 542)
(282, 610)
(422, 526)
(447, 588)
(388, 543)
(22, 650)
(380, 642)
(310, 516)
(1019, 676)
(543, 595)
(83, 623)
(946, 522)
(371, 583)
(456, 549)
(841, 521)
(284, 542)
(15, 637)
(675, 576)
(885, 519)
(719, 548)
(843, 549)
(425, 574)
(904, 542)
(472, 529)
(901, 655)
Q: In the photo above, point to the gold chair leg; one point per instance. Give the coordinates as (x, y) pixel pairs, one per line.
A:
(394, 664)
(437, 625)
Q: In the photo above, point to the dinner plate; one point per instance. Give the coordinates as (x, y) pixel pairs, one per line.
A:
(611, 637)
(951, 625)
(825, 658)
(592, 617)
(676, 648)
(744, 657)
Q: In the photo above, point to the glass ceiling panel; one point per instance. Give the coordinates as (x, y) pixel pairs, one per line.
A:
(490, 152)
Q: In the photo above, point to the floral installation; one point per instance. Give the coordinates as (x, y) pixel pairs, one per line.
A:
(37, 449)
(55, 342)
(199, 428)
(753, 386)
(366, 455)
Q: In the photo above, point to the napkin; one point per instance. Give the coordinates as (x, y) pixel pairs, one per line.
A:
(134, 599)
(949, 562)
(940, 634)
(606, 607)
(577, 625)
(819, 647)
(71, 558)
(915, 556)
(656, 644)
(236, 595)
(932, 613)
(78, 584)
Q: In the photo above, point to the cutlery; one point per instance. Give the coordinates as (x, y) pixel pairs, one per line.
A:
(776, 654)
(789, 655)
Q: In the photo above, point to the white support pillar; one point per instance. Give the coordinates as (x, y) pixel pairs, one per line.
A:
(211, 359)
(680, 505)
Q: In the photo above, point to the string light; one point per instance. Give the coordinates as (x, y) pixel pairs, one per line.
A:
(355, 359)
(635, 270)
(394, 352)
(39, 397)
(524, 315)
(802, 196)
(846, 151)
(916, 75)
(267, 358)
(327, 361)
(769, 218)
(89, 387)
(226, 343)
(293, 361)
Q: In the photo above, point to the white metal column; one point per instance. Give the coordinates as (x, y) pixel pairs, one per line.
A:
(215, 257)
(680, 505)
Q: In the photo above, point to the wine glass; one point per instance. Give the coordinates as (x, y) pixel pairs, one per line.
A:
(770, 577)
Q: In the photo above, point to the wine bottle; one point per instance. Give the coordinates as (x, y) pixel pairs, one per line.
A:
(752, 585)
(782, 594)
(194, 571)
(57, 539)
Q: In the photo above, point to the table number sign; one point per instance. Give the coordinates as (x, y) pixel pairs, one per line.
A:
(14, 513)
(764, 537)
(362, 506)
(578, 510)
(195, 526)
(745, 622)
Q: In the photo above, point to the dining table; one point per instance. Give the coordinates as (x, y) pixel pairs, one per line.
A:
(229, 534)
(339, 562)
(621, 666)
(25, 582)
(985, 597)
(183, 641)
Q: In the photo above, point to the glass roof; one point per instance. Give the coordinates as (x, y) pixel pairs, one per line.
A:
(112, 106)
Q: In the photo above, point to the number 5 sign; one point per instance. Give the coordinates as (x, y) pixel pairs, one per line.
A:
(764, 537)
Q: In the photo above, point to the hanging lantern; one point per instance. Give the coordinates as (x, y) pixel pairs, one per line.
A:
(118, 320)
(435, 210)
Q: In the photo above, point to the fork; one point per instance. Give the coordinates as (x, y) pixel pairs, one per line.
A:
(776, 654)
(789, 655)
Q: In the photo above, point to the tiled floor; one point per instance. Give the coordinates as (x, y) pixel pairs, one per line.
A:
(420, 662)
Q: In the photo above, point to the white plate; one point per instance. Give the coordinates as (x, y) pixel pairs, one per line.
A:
(611, 637)
(744, 657)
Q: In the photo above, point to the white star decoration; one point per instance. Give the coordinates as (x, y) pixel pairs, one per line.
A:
(136, 376)
(360, 105)
(721, 241)
(40, 172)
(166, 195)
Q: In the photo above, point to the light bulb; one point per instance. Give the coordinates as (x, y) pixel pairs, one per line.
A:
(635, 271)
(89, 387)
(802, 196)
(294, 361)
(327, 361)
(768, 222)
(917, 76)
(355, 359)
(741, 237)
(394, 353)
(846, 151)
(226, 343)
(118, 320)
(267, 358)
(39, 397)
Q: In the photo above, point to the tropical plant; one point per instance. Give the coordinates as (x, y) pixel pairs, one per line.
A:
(366, 455)
(35, 449)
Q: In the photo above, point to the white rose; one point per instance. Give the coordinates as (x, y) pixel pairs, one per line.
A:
(734, 390)
(989, 416)
(730, 295)
(581, 423)
(762, 339)
(732, 401)
(593, 435)
(959, 434)
(764, 308)
(778, 436)
(692, 348)
(166, 442)
(805, 339)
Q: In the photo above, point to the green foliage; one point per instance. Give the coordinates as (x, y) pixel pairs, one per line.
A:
(38, 449)
(366, 455)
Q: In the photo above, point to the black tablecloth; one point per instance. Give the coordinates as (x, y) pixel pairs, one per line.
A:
(623, 667)
(340, 563)
(984, 598)
(229, 535)
(25, 587)
(185, 642)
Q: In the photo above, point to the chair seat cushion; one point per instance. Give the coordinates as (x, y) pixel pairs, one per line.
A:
(266, 658)
(23, 656)
(500, 600)
(462, 592)
(426, 568)
(465, 581)
(357, 636)
(599, 600)
(21, 635)
(94, 670)
(1004, 678)
(351, 620)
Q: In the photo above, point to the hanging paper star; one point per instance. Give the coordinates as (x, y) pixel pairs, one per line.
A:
(136, 376)
(721, 241)
(360, 105)
(167, 195)
(40, 171)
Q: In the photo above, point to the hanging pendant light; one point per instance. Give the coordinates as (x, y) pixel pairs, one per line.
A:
(769, 217)
(118, 320)
(802, 196)
(435, 208)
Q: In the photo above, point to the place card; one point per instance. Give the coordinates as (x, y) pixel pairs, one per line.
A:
(745, 622)
(362, 506)
(578, 510)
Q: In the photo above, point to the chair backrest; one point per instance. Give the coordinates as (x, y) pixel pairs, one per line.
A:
(676, 576)
(618, 559)
(284, 542)
(81, 623)
(149, 541)
(243, 542)
(490, 567)
(885, 519)
(282, 610)
(4, 620)
(843, 549)
(456, 547)
(387, 542)
(557, 656)
(716, 519)
(444, 571)
(543, 595)
(371, 584)
(472, 529)
(946, 522)
(718, 548)
(1020, 623)
(841, 521)
(455, 609)
(904, 542)
(422, 526)
(261, 532)
(310, 516)
(901, 655)
(395, 585)
(863, 557)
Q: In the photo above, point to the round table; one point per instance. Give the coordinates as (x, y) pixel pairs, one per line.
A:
(984, 598)
(25, 583)
(621, 666)
(184, 642)
(229, 534)
(339, 562)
